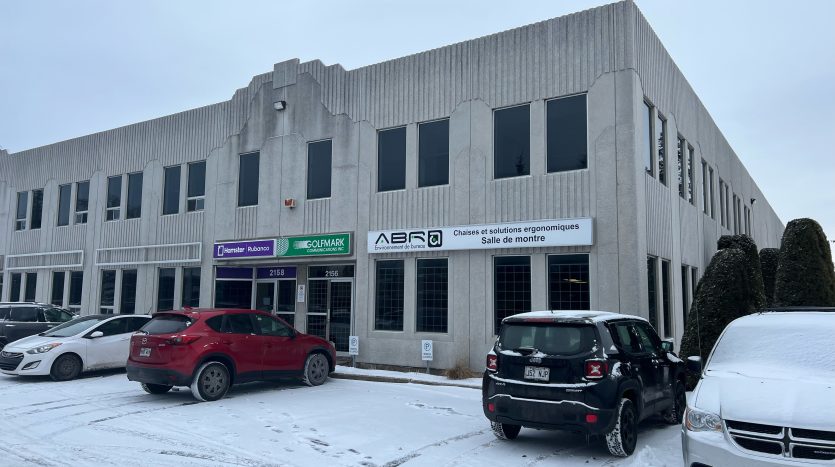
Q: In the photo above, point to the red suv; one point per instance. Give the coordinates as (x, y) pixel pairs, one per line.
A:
(209, 350)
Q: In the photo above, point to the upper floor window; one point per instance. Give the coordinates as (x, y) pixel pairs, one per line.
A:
(661, 147)
(196, 196)
(705, 200)
(567, 140)
(691, 196)
(649, 151)
(171, 190)
(512, 142)
(681, 166)
(710, 186)
(114, 198)
(433, 153)
(248, 174)
(22, 210)
(319, 163)
(64, 197)
(721, 202)
(37, 209)
(391, 159)
(82, 198)
(134, 208)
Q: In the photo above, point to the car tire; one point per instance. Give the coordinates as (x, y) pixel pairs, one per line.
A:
(156, 388)
(65, 367)
(621, 440)
(316, 369)
(674, 414)
(505, 431)
(211, 382)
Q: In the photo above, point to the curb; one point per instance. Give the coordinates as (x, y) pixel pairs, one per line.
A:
(392, 379)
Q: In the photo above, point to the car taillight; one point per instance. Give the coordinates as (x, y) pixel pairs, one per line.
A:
(182, 340)
(596, 369)
(492, 362)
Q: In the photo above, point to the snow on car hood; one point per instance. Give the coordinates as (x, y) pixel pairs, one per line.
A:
(31, 342)
(781, 400)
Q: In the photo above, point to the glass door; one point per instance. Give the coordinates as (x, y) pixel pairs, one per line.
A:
(339, 326)
(317, 307)
(285, 302)
(265, 296)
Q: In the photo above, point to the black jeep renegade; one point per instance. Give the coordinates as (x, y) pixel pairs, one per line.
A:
(592, 372)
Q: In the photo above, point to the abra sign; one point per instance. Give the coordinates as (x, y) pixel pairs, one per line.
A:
(541, 233)
(247, 249)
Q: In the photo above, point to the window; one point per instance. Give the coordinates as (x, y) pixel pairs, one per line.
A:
(233, 294)
(691, 196)
(568, 282)
(566, 134)
(432, 295)
(735, 205)
(433, 153)
(113, 327)
(82, 198)
(722, 202)
(391, 159)
(712, 211)
(319, 163)
(685, 293)
(512, 142)
(171, 190)
(649, 151)
(134, 209)
(76, 289)
(165, 291)
(196, 199)
(37, 209)
(694, 281)
(28, 314)
(272, 327)
(511, 287)
(127, 295)
(238, 324)
(661, 147)
(31, 287)
(248, 179)
(191, 287)
(286, 303)
(681, 166)
(388, 313)
(57, 297)
(114, 198)
(705, 201)
(22, 209)
(64, 196)
(17, 283)
(665, 299)
(727, 207)
(108, 292)
(652, 290)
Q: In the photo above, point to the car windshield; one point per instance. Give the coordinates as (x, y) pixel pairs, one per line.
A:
(76, 326)
(783, 345)
(550, 339)
(166, 324)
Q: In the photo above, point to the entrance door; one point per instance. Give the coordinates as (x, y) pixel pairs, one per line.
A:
(277, 297)
(265, 296)
(329, 309)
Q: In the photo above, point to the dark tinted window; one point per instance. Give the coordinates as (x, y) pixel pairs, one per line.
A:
(649, 338)
(248, 179)
(76, 287)
(215, 323)
(17, 282)
(239, 324)
(627, 338)
(511, 287)
(566, 134)
(233, 294)
(568, 282)
(548, 338)
(165, 291)
(64, 194)
(114, 197)
(112, 328)
(433, 153)
(22, 314)
(432, 295)
(512, 142)
(82, 196)
(391, 159)
(652, 289)
(661, 148)
(134, 208)
(197, 179)
(37, 209)
(57, 288)
(681, 166)
(646, 118)
(171, 190)
(31, 286)
(108, 288)
(127, 299)
(665, 299)
(134, 324)
(22, 207)
(4, 313)
(191, 287)
(272, 327)
(167, 324)
(319, 169)
(388, 315)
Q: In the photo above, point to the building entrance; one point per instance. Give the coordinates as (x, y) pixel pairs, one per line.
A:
(331, 303)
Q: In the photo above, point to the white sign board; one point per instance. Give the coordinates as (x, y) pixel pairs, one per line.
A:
(300, 294)
(353, 345)
(543, 233)
(426, 350)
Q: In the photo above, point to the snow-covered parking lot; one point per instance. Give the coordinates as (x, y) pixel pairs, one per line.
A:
(104, 419)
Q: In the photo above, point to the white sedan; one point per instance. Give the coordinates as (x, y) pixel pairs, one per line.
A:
(87, 343)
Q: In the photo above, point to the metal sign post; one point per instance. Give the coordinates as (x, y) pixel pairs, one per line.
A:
(426, 353)
(353, 349)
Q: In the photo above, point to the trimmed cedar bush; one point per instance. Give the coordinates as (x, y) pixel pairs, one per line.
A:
(805, 276)
(768, 261)
(747, 245)
(723, 295)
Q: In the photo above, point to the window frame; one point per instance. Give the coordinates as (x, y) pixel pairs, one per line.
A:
(81, 215)
(425, 328)
(420, 182)
(405, 130)
(496, 320)
(548, 169)
(113, 213)
(399, 296)
(649, 135)
(64, 203)
(22, 222)
(166, 196)
(496, 111)
(310, 172)
(197, 201)
(250, 203)
(134, 211)
(661, 153)
(549, 290)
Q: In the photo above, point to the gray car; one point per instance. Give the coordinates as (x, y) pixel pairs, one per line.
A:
(24, 319)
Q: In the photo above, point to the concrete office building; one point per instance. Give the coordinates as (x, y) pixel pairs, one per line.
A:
(564, 164)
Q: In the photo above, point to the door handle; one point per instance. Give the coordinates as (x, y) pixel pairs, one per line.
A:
(10, 325)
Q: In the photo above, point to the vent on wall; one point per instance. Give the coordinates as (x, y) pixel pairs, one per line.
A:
(48, 260)
(149, 254)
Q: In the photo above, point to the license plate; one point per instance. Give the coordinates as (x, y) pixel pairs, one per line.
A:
(537, 373)
(145, 352)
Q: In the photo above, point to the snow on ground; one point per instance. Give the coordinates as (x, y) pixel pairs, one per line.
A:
(412, 376)
(104, 419)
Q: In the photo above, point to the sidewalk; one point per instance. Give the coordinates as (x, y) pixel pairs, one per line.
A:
(385, 376)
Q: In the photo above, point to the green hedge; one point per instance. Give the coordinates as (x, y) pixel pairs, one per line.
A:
(747, 245)
(768, 260)
(805, 275)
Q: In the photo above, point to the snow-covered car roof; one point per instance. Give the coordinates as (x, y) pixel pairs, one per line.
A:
(570, 315)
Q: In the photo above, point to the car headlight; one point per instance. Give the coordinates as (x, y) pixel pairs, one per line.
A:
(698, 420)
(43, 348)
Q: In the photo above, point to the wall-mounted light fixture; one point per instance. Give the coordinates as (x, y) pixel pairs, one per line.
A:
(279, 105)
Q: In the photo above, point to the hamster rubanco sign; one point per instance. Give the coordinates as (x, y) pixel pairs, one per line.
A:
(247, 249)
(542, 233)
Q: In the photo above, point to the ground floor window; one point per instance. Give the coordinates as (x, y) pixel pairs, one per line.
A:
(127, 300)
(685, 292)
(388, 313)
(31, 286)
(108, 292)
(233, 294)
(665, 299)
(568, 282)
(165, 289)
(511, 287)
(57, 298)
(285, 305)
(191, 287)
(652, 290)
(76, 289)
(17, 282)
(432, 295)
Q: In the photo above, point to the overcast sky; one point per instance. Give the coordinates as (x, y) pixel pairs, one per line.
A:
(764, 69)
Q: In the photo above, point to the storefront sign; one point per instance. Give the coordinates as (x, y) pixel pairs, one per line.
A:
(234, 273)
(545, 233)
(314, 245)
(276, 272)
(246, 249)
(330, 272)
(426, 350)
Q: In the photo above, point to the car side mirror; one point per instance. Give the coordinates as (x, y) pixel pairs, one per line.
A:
(667, 345)
(96, 334)
(694, 365)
